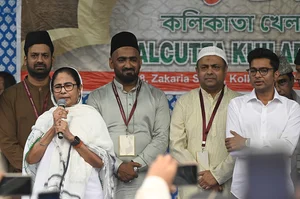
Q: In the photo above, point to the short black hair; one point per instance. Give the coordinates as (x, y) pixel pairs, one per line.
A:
(264, 53)
(9, 79)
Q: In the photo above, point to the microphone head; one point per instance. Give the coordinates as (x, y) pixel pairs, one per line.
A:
(62, 102)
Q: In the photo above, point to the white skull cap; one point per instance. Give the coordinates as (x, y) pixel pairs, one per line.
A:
(212, 50)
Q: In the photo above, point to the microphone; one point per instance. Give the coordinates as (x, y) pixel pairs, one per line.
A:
(62, 103)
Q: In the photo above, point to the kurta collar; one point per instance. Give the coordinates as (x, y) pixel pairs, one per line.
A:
(206, 94)
(37, 87)
(120, 86)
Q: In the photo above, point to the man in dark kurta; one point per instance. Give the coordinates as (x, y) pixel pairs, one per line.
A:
(21, 104)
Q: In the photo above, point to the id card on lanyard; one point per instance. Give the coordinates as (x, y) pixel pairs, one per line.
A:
(202, 156)
(126, 145)
(126, 142)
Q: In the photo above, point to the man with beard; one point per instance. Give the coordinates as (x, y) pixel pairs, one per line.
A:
(136, 114)
(21, 104)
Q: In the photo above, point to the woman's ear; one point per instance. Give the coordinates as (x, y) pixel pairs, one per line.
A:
(80, 89)
(80, 93)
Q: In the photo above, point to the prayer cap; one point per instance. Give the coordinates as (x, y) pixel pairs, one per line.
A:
(38, 37)
(212, 50)
(123, 39)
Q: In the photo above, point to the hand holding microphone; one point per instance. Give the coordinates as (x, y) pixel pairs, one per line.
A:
(61, 103)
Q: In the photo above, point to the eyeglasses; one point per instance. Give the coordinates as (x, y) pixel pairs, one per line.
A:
(262, 71)
(282, 82)
(67, 86)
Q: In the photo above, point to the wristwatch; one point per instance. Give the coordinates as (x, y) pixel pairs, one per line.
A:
(76, 141)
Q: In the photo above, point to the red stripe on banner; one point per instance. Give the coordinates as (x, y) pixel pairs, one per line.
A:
(167, 81)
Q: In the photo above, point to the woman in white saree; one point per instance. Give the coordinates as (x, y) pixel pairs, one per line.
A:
(80, 165)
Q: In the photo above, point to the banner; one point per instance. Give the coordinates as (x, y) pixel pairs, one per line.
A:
(170, 34)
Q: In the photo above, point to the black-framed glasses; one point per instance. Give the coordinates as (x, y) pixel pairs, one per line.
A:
(67, 86)
(262, 71)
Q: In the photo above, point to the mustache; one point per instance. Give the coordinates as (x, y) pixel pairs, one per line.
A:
(127, 69)
(39, 65)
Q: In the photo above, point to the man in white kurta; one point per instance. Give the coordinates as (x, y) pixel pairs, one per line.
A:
(186, 135)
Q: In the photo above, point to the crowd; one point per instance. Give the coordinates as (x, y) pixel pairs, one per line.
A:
(113, 146)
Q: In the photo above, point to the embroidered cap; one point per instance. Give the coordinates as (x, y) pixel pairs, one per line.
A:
(212, 50)
(284, 65)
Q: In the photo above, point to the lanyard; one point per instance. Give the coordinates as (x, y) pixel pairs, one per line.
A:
(32, 102)
(205, 129)
(126, 122)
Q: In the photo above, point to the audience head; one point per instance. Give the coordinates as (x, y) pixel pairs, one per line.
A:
(6, 80)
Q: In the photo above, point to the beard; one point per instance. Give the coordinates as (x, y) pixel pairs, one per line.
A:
(41, 73)
(125, 76)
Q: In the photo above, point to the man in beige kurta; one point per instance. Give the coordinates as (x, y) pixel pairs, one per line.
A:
(186, 130)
